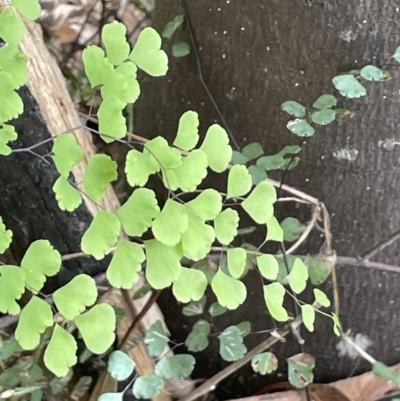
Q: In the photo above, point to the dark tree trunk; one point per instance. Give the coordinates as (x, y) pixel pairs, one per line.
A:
(255, 55)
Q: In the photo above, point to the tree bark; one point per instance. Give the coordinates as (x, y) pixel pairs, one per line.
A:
(254, 56)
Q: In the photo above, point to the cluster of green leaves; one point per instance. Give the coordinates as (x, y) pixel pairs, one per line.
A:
(96, 324)
(323, 110)
(261, 165)
(179, 48)
(13, 73)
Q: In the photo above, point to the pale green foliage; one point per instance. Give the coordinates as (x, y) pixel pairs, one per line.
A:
(348, 86)
(11, 103)
(97, 67)
(163, 263)
(73, 298)
(125, 265)
(67, 153)
(323, 117)
(268, 266)
(12, 28)
(293, 108)
(190, 285)
(102, 233)
(321, 297)
(5, 237)
(138, 168)
(114, 38)
(274, 230)
(13, 62)
(239, 181)
(396, 54)
(175, 367)
(138, 212)
(130, 91)
(29, 9)
(39, 261)
(264, 363)
(259, 204)
(207, 205)
(308, 314)
(324, 102)
(97, 327)
(230, 292)
(68, 197)
(120, 365)
(100, 171)
(156, 339)
(188, 131)
(111, 120)
(147, 54)
(12, 286)
(60, 354)
(372, 73)
(216, 147)
(191, 172)
(336, 324)
(274, 294)
(236, 258)
(7, 134)
(300, 127)
(34, 319)
(225, 225)
(169, 225)
(198, 238)
(298, 276)
(111, 397)
(197, 340)
(231, 345)
(147, 386)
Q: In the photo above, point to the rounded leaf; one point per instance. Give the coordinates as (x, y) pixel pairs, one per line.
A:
(114, 39)
(112, 122)
(97, 327)
(323, 117)
(231, 347)
(293, 108)
(216, 147)
(60, 353)
(67, 153)
(239, 181)
(274, 230)
(348, 86)
(207, 205)
(120, 365)
(321, 298)
(97, 66)
(13, 62)
(372, 73)
(68, 197)
(12, 286)
(5, 237)
(300, 127)
(274, 294)
(7, 134)
(308, 315)
(156, 339)
(73, 298)
(264, 363)
(192, 171)
(230, 292)
(180, 49)
(30, 9)
(325, 102)
(197, 340)
(147, 386)
(259, 204)
(298, 276)
(190, 285)
(268, 266)
(175, 367)
(236, 258)
(12, 28)
(147, 53)
(225, 225)
(188, 131)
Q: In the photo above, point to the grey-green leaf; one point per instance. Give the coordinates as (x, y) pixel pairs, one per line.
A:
(257, 173)
(120, 365)
(292, 229)
(324, 102)
(318, 271)
(348, 86)
(147, 386)
(197, 339)
(216, 309)
(253, 150)
(238, 158)
(396, 55)
(300, 370)
(156, 338)
(180, 49)
(172, 26)
(300, 127)
(372, 73)
(195, 308)
(323, 117)
(293, 108)
(175, 367)
(231, 345)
